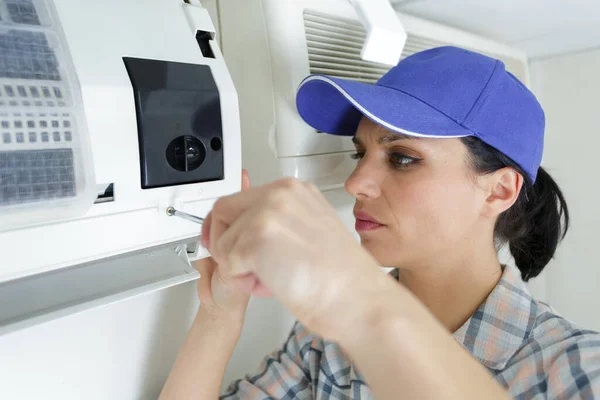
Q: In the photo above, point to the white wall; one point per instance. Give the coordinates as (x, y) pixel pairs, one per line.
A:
(124, 350)
(568, 88)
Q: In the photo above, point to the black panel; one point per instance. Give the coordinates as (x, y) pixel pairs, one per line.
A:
(179, 120)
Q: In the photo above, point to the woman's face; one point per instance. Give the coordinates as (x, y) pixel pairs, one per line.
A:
(422, 194)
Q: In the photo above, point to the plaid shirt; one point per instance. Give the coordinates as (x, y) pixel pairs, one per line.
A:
(525, 345)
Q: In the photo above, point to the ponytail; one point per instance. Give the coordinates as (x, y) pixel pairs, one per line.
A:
(537, 222)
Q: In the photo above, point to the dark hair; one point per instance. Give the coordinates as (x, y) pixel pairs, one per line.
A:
(539, 219)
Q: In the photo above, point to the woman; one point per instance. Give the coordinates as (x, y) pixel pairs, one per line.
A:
(449, 147)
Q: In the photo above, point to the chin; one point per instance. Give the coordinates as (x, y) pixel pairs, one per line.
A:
(380, 253)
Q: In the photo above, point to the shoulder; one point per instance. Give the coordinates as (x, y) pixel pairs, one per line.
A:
(556, 335)
(557, 359)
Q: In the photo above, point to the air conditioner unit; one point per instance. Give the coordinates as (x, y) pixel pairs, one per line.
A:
(110, 111)
(271, 45)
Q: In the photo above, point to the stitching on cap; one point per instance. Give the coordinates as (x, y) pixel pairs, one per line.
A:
(476, 103)
(422, 101)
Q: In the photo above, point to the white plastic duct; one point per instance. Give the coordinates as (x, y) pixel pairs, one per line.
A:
(385, 35)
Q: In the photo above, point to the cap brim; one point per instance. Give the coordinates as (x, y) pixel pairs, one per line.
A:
(336, 106)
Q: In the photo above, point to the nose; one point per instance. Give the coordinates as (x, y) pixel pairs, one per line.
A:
(365, 180)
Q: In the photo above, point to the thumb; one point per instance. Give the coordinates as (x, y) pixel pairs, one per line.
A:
(206, 267)
(245, 180)
(204, 238)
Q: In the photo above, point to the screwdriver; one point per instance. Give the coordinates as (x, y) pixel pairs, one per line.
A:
(172, 212)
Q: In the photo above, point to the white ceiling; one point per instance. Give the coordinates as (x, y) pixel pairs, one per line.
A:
(542, 28)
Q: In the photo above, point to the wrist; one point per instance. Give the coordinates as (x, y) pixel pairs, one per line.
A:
(379, 325)
(380, 309)
(228, 323)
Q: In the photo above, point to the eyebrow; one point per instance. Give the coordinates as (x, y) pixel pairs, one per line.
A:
(389, 138)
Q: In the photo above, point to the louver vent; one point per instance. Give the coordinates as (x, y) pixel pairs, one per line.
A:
(334, 46)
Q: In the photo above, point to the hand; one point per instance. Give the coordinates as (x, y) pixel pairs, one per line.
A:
(220, 293)
(287, 236)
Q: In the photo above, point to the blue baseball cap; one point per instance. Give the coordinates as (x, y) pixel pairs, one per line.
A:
(445, 92)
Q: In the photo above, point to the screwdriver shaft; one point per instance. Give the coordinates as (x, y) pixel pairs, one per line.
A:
(175, 213)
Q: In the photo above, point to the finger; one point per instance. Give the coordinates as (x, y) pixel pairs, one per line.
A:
(224, 224)
(245, 180)
(205, 232)
(260, 290)
(232, 262)
(251, 238)
(205, 238)
(228, 209)
(206, 268)
(250, 284)
(239, 247)
(228, 289)
(245, 283)
(205, 265)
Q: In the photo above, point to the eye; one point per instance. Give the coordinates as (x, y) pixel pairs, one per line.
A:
(399, 160)
(358, 155)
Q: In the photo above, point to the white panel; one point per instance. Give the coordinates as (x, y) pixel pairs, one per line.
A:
(136, 219)
(41, 298)
(290, 65)
(212, 7)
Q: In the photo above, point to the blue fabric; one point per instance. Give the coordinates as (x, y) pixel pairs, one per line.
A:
(441, 92)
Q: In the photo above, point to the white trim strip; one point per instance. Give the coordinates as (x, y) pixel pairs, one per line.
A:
(370, 115)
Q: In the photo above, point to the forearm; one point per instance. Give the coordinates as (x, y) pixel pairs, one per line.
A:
(201, 362)
(400, 348)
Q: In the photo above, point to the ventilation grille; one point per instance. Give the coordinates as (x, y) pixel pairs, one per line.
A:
(36, 175)
(334, 46)
(43, 161)
(335, 43)
(36, 128)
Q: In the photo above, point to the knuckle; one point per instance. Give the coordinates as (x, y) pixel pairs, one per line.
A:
(289, 183)
(268, 225)
(242, 253)
(287, 206)
(220, 206)
(278, 197)
(311, 187)
(284, 192)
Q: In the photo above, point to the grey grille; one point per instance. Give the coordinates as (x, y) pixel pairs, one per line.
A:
(34, 175)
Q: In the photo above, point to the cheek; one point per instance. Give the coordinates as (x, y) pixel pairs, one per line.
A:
(434, 213)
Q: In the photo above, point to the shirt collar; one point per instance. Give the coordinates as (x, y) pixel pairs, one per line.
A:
(501, 324)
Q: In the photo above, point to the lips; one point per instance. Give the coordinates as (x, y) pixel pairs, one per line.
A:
(364, 222)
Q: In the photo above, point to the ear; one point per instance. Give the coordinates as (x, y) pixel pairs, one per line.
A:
(503, 188)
